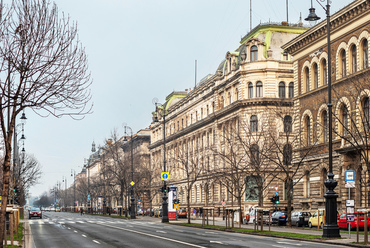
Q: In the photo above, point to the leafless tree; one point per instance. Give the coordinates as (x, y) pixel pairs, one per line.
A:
(187, 161)
(351, 126)
(42, 67)
(283, 140)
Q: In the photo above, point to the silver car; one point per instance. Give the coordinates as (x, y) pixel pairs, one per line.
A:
(300, 218)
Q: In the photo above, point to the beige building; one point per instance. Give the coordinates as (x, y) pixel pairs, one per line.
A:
(216, 134)
(350, 36)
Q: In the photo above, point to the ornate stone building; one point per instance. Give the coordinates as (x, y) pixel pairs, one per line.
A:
(215, 135)
(350, 36)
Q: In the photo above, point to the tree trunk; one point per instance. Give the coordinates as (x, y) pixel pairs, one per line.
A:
(189, 210)
(6, 174)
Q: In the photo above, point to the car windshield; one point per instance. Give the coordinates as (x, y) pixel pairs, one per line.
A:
(35, 209)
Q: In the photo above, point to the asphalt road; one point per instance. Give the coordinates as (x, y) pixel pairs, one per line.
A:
(73, 230)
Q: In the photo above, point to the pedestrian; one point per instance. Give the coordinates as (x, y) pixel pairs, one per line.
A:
(82, 211)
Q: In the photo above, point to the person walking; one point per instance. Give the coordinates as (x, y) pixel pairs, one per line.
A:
(82, 211)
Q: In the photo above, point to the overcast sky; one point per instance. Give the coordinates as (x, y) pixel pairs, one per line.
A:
(138, 50)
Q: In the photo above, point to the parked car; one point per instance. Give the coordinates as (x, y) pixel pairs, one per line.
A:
(35, 212)
(140, 211)
(148, 211)
(300, 218)
(57, 210)
(318, 218)
(279, 218)
(343, 223)
(252, 216)
(181, 213)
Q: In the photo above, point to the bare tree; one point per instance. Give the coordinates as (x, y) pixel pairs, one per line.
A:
(351, 126)
(187, 159)
(42, 66)
(283, 138)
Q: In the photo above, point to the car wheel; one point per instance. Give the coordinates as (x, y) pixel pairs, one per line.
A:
(297, 224)
(310, 225)
(322, 225)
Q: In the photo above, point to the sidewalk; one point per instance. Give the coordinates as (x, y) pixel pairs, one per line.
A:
(344, 240)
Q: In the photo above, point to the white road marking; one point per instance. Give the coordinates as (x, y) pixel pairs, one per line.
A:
(217, 242)
(75, 231)
(155, 236)
(288, 243)
(83, 235)
(210, 232)
(161, 231)
(96, 241)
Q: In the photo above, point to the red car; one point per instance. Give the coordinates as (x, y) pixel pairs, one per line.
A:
(35, 212)
(181, 213)
(343, 223)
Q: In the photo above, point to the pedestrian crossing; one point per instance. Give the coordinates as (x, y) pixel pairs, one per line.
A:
(48, 221)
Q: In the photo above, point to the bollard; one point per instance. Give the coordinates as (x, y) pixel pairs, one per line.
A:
(357, 226)
(11, 219)
(365, 228)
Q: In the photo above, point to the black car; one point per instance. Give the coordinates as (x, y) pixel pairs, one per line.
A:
(300, 218)
(279, 218)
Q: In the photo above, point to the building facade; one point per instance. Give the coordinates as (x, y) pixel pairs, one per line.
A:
(350, 36)
(216, 135)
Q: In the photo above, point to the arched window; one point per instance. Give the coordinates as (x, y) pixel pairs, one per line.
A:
(344, 120)
(287, 154)
(291, 90)
(308, 130)
(366, 113)
(353, 58)
(287, 124)
(254, 53)
(254, 123)
(250, 90)
(259, 89)
(323, 72)
(254, 154)
(325, 126)
(315, 75)
(342, 63)
(281, 90)
(365, 54)
(307, 78)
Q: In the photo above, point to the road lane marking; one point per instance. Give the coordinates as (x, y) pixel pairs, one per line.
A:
(155, 236)
(96, 241)
(217, 242)
(75, 231)
(161, 231)
(288, 243)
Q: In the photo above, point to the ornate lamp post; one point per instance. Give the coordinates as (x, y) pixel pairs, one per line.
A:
(331, 229)
(132, 214)
(164, 203)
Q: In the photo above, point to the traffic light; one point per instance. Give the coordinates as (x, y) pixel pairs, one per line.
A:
(273, 199)
(277, 199)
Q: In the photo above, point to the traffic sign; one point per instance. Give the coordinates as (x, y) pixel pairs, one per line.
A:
(164, 176)
(176, 206)
(276, 188)
(349, 184)
(224, 204)
(349, 175)
(88, 197)
(276, 192)
(132, 183)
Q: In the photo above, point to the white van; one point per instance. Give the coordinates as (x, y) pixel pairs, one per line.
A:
(252, 215)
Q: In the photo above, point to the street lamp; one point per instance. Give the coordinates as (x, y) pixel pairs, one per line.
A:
(164, 203)
(132, 214)
(65, 193)
(331, 229)
(73, 173)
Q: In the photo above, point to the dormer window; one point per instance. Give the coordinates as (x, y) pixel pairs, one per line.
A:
(254, 53)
